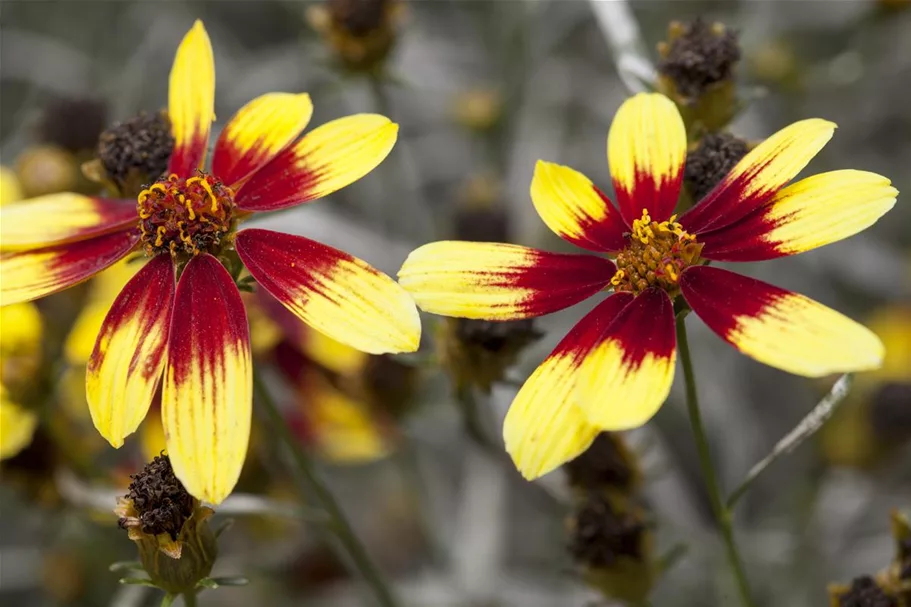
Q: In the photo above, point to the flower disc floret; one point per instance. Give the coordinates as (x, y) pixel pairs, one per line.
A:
(657, 254)
(185, 216)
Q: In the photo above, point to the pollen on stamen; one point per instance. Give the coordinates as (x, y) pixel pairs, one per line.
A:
(656, 255)
(185, 216)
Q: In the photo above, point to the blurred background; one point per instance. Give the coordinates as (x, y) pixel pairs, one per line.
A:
(411, 445)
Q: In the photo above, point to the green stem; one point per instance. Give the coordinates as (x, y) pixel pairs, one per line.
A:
(338, 523)
(722, 513)
(189, 599)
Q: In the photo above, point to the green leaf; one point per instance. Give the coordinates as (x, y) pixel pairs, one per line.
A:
(126, 566)
(138, 581)
(231, 581)
(168, 600)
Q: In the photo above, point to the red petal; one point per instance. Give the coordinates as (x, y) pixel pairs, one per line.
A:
(28, 275)
(208, 387)
(125, 367)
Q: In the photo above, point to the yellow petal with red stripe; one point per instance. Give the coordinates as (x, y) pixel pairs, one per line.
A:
(500, 281)
(759, 175)
(646, 149)
(258, 132)
(125, 367)
(59, 218)
(208, 383)
(325, 160)
(545, 427)
(806, 215)
(777, 327)
(28, 275)
(17, 425)
(191, 101)
(628, 375)
(577, 211)
(332, 291)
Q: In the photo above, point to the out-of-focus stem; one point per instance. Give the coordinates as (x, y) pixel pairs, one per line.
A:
(722, 513)
(315, 488)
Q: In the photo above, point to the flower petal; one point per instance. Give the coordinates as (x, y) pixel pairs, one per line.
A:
(326, 159)
(28, 275)
(17, 425)
(575, 209)
(805, 215)
(646, 150)
(500, 281)
(545, 427)
(777, 327)
(332, 291)
(258, 132)
(208, 383)
(123, 372)
(628, 375)
(59, 218)
(191, 101)
(759, 175)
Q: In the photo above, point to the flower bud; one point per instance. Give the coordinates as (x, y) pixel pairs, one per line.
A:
(46, 169)
(360, 33)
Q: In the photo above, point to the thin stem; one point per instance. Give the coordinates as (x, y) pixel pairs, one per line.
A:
(189, 599)
(338, 523)
(722, 513)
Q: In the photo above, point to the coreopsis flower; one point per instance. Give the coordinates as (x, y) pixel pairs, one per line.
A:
(615, 368)
(194, 330)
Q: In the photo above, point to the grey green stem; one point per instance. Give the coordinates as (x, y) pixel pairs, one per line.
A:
(312, 485)
(722, 513)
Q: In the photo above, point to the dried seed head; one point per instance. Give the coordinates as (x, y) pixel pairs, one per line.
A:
(602, 534)
(606, 463)
(361, 33)
(162, 503)
(863, 592)
(711, 160)
(136, 151)
(698, 56)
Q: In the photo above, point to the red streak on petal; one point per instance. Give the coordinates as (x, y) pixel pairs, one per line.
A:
(187, 158)
(284, 182)
(645, 326)
(719, 296)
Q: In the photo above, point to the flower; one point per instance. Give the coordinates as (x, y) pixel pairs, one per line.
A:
(194, 330)
(615, 368)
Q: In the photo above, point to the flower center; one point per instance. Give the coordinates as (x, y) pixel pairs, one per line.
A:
(656, 255)
(185, 216)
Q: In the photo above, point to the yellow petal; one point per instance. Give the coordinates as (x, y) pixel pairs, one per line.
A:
(570, 204)
(777, 327)
(208, 383)
(125, 367)
(332, 354)
(325, 160)
(17, 425)
(759, 175)
(500, 281)
(628, 375)
(646, 149)
(545, 427)
(191, 101)
(258, 132)
(332, 291)
(59, 218)
(806, 215)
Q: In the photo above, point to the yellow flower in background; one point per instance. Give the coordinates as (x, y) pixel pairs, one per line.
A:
(876, 418)
(20, 356)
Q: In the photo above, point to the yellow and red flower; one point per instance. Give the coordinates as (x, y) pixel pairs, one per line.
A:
(193, 330)
(615, 368)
